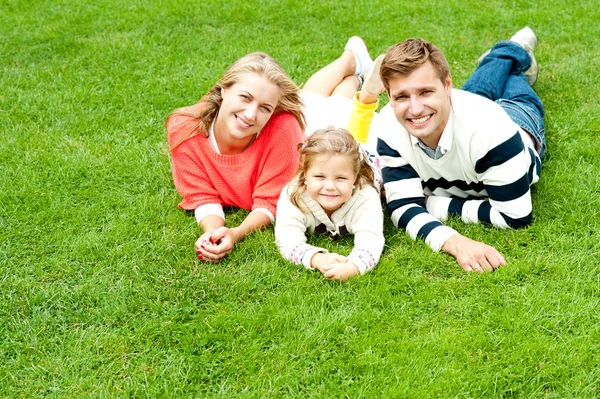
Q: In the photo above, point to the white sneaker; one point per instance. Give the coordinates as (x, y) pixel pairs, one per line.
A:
(372, 83)
(364, 63)
(527, 39)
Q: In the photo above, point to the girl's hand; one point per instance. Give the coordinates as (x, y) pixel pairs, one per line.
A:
(215, 245)
(323, 262)
(342, 271)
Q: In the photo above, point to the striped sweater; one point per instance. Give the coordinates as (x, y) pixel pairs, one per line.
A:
(484, 177)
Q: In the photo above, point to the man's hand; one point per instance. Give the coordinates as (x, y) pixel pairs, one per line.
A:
(473, 256)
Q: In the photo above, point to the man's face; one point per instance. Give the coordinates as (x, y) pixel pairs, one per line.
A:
(421, 103)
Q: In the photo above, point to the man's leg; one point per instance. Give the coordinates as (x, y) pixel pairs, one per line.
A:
(489, 79)
(525, 108)
(500, 77)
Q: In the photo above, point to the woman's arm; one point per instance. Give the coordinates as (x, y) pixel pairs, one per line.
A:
(218, 240)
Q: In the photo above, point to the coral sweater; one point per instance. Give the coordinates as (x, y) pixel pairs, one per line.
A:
(250, 180)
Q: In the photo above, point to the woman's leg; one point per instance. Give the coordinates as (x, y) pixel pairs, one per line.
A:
(327, 79)
(341, 76)
(347, 87)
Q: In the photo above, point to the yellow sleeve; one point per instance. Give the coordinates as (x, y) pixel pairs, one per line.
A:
(360, 119)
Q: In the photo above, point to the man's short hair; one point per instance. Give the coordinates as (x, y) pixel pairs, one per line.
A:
(405, 57)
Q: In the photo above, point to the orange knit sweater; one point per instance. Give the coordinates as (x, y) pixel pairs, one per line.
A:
(250, 180)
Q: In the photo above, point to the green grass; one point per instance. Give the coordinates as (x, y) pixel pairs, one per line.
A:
(101, 294)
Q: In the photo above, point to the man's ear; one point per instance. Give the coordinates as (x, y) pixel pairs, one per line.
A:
(448, 83)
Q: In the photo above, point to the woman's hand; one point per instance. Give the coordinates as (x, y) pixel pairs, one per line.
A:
(214, 245)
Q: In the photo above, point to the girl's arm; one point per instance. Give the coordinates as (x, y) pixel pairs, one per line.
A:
(290, 235)
(367, 227)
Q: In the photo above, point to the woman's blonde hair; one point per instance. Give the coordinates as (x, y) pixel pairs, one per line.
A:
(258, 63)
(330, 141)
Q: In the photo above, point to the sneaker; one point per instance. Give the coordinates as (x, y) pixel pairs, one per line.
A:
(364, 63)
(527, 39)
(372, 83)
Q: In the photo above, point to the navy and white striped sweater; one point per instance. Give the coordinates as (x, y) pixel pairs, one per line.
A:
(484, 177)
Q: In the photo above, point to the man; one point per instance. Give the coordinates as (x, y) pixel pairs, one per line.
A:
(471, 153)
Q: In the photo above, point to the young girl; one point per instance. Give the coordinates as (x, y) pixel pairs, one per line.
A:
(236, 147)
(332, 193)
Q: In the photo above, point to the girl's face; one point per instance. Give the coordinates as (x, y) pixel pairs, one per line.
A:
(246, 108)
(330, 181)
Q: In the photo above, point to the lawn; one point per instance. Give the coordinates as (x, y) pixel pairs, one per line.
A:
(101, 293)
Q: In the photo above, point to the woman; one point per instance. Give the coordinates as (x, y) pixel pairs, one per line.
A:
(236, 147)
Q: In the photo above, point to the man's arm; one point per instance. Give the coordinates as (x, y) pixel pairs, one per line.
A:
(506, 173)
(405, 199)
(406, 204)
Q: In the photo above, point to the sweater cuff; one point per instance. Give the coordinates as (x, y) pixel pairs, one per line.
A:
(363, 259)
(438, 237)
(209, 209)
(309, 254)
(303, 253)
(266, 212)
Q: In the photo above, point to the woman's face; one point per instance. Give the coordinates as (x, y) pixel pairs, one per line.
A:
(246, 108)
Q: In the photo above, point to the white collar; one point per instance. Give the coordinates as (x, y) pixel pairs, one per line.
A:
(445, 139)
(213, 141)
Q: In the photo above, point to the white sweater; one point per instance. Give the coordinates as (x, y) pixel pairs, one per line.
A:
(361, 216)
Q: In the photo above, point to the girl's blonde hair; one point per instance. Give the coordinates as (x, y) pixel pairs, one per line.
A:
(258, 63)
(330, 141)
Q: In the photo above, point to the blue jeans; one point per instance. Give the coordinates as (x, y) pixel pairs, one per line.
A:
(500, 78)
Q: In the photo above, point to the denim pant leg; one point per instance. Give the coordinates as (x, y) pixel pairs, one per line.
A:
(499, 77)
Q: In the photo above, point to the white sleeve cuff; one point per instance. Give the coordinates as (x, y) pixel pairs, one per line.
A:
(363, 259)
(266, 212)
(209, 209)
(438, 237)
(309, 254)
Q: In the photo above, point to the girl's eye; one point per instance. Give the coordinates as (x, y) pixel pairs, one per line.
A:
(266, 109)
(245, 97)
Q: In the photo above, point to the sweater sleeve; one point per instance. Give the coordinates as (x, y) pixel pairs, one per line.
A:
(290, 232)
(279, 162)
(367, 227)
(405, 199)
(506, 172)
(189, 174)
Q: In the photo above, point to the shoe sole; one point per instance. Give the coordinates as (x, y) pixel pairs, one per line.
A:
(372, 83)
